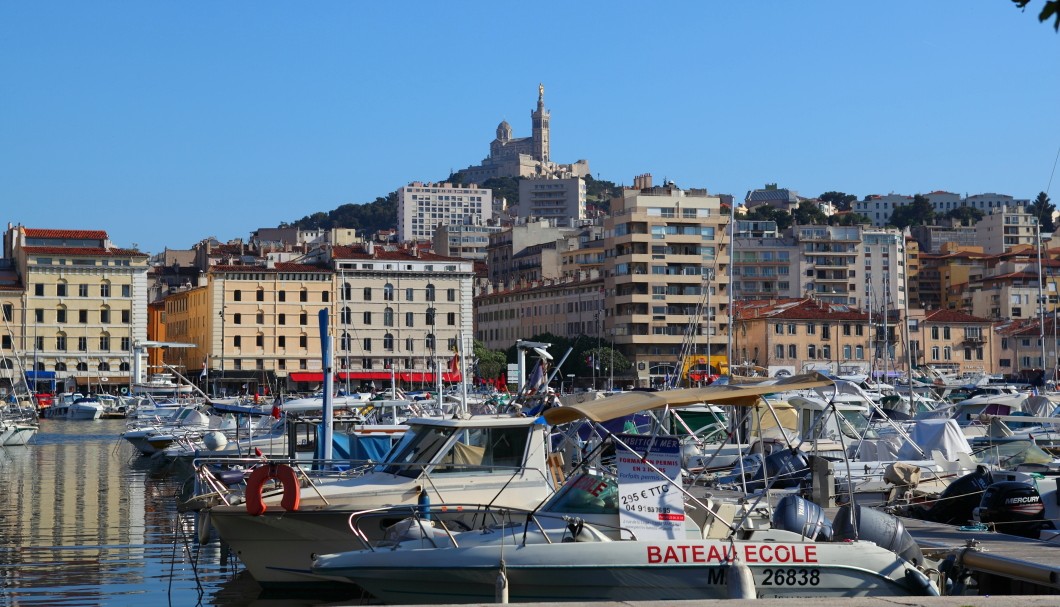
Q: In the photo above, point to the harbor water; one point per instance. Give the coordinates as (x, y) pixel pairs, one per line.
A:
(86, 520)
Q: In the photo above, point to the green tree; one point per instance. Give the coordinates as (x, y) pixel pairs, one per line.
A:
(968, 216)
(1043, 209)
(840, 200)
(491, 363)
(918, 212)
(1051, 8)
(766, 212)
(808, 213)
(599, 192)
(380, 214)
(607, 359)
(848, 219)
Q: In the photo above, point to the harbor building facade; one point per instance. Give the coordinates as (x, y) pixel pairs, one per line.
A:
(83, 306)
(666, 285)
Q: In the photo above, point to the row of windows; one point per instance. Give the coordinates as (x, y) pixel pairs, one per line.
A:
(61, 343)
(811, 329)
(346, 318)
(62, 316)
(346, 342)
(62, 289)
(389, 293)
(48, 261)
(61, 366)
(818, 352)
(303, 295)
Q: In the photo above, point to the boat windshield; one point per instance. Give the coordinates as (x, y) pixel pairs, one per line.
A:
(856, 425)
(1012, 454)
(416, 449)
(586, 493)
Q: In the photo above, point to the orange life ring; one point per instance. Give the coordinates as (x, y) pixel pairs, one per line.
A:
(256, 482)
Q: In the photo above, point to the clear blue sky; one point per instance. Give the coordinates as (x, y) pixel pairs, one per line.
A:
(166, 122)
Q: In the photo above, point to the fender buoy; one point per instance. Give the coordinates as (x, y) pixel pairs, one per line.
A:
(256, 481)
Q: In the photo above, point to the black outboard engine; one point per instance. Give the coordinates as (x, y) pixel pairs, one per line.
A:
(957, 502)
(786, 468)
(1015, 508)
(803, 517)
(879, 527)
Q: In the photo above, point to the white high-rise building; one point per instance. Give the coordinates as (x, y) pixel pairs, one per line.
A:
(422, 207)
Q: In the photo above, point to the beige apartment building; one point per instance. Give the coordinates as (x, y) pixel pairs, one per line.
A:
(82, 307)
(400, 312)
(670, 265)
(392, 313)
(568, 307)
(953, 341)
(792, 336)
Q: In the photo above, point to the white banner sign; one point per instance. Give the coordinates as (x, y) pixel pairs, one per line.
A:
(649, 505)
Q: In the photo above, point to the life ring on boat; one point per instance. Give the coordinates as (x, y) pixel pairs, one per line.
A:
(124, 390)
(256, 482)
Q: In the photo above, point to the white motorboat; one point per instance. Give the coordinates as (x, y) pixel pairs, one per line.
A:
(152, 436)
(87, 408)
(18, 432)
(445, 461)
(161, 385)
(574, 549)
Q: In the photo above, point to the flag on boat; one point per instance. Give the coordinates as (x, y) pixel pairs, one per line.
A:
(276, 408)
(536, 381)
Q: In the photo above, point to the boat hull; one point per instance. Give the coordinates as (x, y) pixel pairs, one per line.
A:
(623, 571)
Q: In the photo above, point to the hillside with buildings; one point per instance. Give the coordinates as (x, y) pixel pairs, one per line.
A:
(672, 278)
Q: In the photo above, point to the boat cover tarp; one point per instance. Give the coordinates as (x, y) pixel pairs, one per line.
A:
(745, 394)
(943, 435)
(354, 447)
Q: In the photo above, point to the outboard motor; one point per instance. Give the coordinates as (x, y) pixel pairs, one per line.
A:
(787, 468)
(803, 517)
(958, 501)
(748, 466)
(879, 527)
(1015, 508)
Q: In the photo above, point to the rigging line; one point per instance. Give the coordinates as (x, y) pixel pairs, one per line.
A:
(1049, 187)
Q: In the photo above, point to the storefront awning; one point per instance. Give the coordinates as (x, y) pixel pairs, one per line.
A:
(40, 374)
(406, 376)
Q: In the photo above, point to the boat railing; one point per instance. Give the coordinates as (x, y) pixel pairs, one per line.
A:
(464, 518)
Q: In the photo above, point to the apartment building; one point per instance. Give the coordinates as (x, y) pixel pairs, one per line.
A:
(570, 307)
(831, 266)
(83, 307)
(422, 207)
(670, 265)
(796, 335)
(465, 241)
(884, 274)
(560, 200)
(400, 312)
(952, 341)
(1005, 227)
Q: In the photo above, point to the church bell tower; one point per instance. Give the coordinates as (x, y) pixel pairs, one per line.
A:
(540, 118)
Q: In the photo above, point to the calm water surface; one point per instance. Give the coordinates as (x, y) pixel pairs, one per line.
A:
(85, 520)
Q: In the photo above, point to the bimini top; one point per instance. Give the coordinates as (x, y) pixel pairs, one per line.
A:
(744, 393)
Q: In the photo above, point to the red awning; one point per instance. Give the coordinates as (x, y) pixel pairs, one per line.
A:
(407, 376)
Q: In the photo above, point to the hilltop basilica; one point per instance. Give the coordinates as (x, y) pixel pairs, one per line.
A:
(525, 156)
